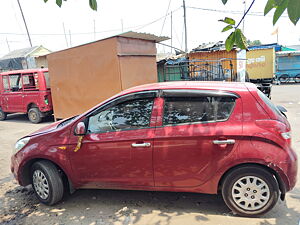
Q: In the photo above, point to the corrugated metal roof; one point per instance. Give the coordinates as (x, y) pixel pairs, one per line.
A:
(266, 46)
(19, 53)
(22, 53)
(143, 36)
(129, 34)
(288, 53)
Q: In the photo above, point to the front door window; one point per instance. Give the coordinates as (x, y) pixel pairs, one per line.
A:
(134, 114)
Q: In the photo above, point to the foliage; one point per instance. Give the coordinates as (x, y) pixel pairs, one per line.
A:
(92, 3)
(237, 38)
(254, 42)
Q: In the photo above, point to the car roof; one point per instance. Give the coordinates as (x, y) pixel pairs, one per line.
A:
(203, 85)
(24, 71)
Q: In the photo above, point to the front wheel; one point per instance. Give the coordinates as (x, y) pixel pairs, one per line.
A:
(3, 115)
(250, 191)
(47, 182)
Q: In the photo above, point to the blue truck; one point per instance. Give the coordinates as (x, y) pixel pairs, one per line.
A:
(287, 67)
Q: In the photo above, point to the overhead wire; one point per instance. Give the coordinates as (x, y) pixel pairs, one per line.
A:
(231, 11)
(162, 28)
(137, 27)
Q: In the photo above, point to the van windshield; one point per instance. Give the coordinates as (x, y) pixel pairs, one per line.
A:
(269, 103)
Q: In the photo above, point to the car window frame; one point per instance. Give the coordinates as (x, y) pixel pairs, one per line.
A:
(119, 100)
(196, 93)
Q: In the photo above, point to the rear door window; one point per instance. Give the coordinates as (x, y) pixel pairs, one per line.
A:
(47, 79)
(182, 110)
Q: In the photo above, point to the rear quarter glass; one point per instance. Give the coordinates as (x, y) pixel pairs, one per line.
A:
(271, 109)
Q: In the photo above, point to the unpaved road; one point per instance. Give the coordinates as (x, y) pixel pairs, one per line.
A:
(18, 205)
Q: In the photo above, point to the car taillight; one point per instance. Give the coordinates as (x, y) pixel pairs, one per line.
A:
(276, 127)
(46, 99)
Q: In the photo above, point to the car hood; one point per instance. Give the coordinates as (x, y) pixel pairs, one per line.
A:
(46, 129)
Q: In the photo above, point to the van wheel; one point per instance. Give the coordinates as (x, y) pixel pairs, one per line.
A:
(250, 191)
(34, 115)
(3, 115)
(47, 182)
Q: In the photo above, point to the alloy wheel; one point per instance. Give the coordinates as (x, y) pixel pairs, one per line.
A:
(250, 193)
(41, 184)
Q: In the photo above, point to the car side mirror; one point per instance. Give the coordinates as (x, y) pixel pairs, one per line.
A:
(80, 129)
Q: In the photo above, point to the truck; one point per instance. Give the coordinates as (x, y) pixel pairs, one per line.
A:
(287, 66)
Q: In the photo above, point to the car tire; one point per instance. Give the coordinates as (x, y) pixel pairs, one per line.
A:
(47, 182)
(250, 191)
(34, 115)
(3, 115)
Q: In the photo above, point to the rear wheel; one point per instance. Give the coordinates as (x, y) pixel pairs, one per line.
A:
(47, 182)
(297, 78)
(250, 191)
(284, 78)
(3, 115)
(34, 115)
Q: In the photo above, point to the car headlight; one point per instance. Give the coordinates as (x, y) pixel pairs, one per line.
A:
(20, 144)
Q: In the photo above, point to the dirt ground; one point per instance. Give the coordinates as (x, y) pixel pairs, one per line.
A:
(18, 205)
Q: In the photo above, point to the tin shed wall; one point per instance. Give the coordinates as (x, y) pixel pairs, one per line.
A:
(260, 63)
(216, 55)
(83, 76)
(137, 59)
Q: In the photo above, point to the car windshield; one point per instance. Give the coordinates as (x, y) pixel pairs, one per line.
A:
(269, 103)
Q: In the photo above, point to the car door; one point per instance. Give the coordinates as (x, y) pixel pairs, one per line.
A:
(117, 150)
(14, 97)
(198, 131)
(3, 95)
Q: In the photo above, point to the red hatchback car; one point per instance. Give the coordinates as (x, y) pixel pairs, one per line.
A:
(204, 137)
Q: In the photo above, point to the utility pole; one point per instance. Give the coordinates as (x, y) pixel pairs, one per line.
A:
(7, 44)
(185, 31)
(122, 25)
(171, 32)
(25, 23)
(94, 30)
(244, 2)
(65, 35)
(70, 38)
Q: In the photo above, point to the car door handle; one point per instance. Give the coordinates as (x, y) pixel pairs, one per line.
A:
(223, 142)
(140, 145)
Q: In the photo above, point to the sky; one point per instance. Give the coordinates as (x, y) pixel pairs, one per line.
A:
(75, 23)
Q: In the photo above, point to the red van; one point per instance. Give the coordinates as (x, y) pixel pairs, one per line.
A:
(25, 91)
(204, 137)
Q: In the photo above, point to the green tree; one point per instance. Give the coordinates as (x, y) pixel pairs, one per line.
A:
(254, 42)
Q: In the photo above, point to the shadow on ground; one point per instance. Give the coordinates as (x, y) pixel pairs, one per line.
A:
(20, 206)
(23, 118)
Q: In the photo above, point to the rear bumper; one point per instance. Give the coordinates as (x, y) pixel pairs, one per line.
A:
(290, 169)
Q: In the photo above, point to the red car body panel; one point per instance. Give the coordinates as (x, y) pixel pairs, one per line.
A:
(19, 101)
(180, 158)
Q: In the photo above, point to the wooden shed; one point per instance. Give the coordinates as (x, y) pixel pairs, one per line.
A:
(83, 76)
